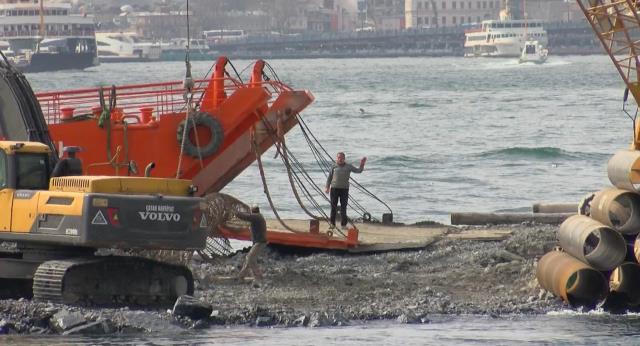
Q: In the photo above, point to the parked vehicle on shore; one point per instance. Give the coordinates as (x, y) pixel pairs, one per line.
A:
(224, 36)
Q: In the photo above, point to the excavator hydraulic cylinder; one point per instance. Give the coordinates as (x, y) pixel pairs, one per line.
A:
(592, 242)
(575, 282)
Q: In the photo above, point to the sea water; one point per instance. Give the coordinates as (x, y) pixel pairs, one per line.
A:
(561, 328)
(441, 135)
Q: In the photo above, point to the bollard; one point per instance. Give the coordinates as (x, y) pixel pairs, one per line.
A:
(314, 226)
(592, 242)
(66, 113)
(116, 115)
(575, 282)
(147, 114)
(352, 236)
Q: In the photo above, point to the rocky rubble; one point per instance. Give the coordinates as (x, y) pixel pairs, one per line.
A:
(329, 289)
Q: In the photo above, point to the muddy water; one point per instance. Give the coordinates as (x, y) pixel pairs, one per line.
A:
(562, 328)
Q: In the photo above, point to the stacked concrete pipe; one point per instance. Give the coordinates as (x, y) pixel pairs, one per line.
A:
(594, 267)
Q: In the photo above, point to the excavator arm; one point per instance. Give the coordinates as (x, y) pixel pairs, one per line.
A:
(21, 118)
(617, 26)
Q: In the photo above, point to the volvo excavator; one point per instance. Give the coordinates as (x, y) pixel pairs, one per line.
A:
(52, 227)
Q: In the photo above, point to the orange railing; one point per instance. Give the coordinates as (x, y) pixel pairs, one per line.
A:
(133, 100)
(162, 98)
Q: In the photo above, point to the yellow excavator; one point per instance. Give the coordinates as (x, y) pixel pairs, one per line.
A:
(52, 227)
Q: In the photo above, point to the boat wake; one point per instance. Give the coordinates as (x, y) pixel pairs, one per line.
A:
(501, 64)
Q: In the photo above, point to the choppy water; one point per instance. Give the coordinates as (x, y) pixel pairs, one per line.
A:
(442, 135)
(563, 328)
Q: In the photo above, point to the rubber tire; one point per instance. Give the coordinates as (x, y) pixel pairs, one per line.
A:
(217, 134)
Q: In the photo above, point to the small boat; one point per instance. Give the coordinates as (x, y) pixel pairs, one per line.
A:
(534, 52)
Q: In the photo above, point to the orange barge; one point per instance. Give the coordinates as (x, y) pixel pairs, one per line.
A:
(209, 133)
(231, 124)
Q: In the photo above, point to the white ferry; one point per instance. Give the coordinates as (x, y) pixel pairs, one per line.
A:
(503, 38)
(48, 36)
(126, 47)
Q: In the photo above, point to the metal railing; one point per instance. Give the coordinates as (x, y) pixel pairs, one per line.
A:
(133, 101)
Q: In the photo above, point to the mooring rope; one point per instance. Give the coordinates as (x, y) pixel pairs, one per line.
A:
(264, 183)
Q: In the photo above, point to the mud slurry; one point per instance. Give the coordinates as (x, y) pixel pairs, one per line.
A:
(451, 276)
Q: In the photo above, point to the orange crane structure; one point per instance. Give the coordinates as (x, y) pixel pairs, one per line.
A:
(601, 246)
(208, 131)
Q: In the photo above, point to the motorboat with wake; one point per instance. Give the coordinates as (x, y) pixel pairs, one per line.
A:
(533, 52)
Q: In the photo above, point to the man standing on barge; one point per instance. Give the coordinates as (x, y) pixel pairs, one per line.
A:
(338, 187)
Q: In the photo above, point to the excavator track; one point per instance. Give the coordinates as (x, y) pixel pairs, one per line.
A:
(111, 281)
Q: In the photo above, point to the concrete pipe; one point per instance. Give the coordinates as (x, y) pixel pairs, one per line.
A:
(575, 282)
(636, 249)
(553, 208)
(623, 170)
(624, 283)
(618, 209)
(506, 219)
(592, 242)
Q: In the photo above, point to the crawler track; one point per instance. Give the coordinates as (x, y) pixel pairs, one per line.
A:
(111, 281)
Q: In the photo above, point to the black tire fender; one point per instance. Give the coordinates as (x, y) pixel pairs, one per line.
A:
(205, 120)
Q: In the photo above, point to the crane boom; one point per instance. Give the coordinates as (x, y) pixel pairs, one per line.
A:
(617, 25)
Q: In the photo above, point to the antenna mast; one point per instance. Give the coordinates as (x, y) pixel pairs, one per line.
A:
(42, 31)
(188, 80)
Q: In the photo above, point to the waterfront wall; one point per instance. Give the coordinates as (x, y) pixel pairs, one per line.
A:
(564, 38)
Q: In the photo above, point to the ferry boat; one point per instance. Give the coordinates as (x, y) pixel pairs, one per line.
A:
(47, 37)
(503, 38)
(126, 47)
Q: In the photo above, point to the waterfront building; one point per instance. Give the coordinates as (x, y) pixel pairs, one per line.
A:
(158, 25)
(386, 14)
(421, 14)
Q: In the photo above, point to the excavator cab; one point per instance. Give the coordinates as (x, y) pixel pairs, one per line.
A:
(24, 166)
(58, 223)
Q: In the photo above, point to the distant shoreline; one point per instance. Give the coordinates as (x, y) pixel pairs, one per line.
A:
(559, 51)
